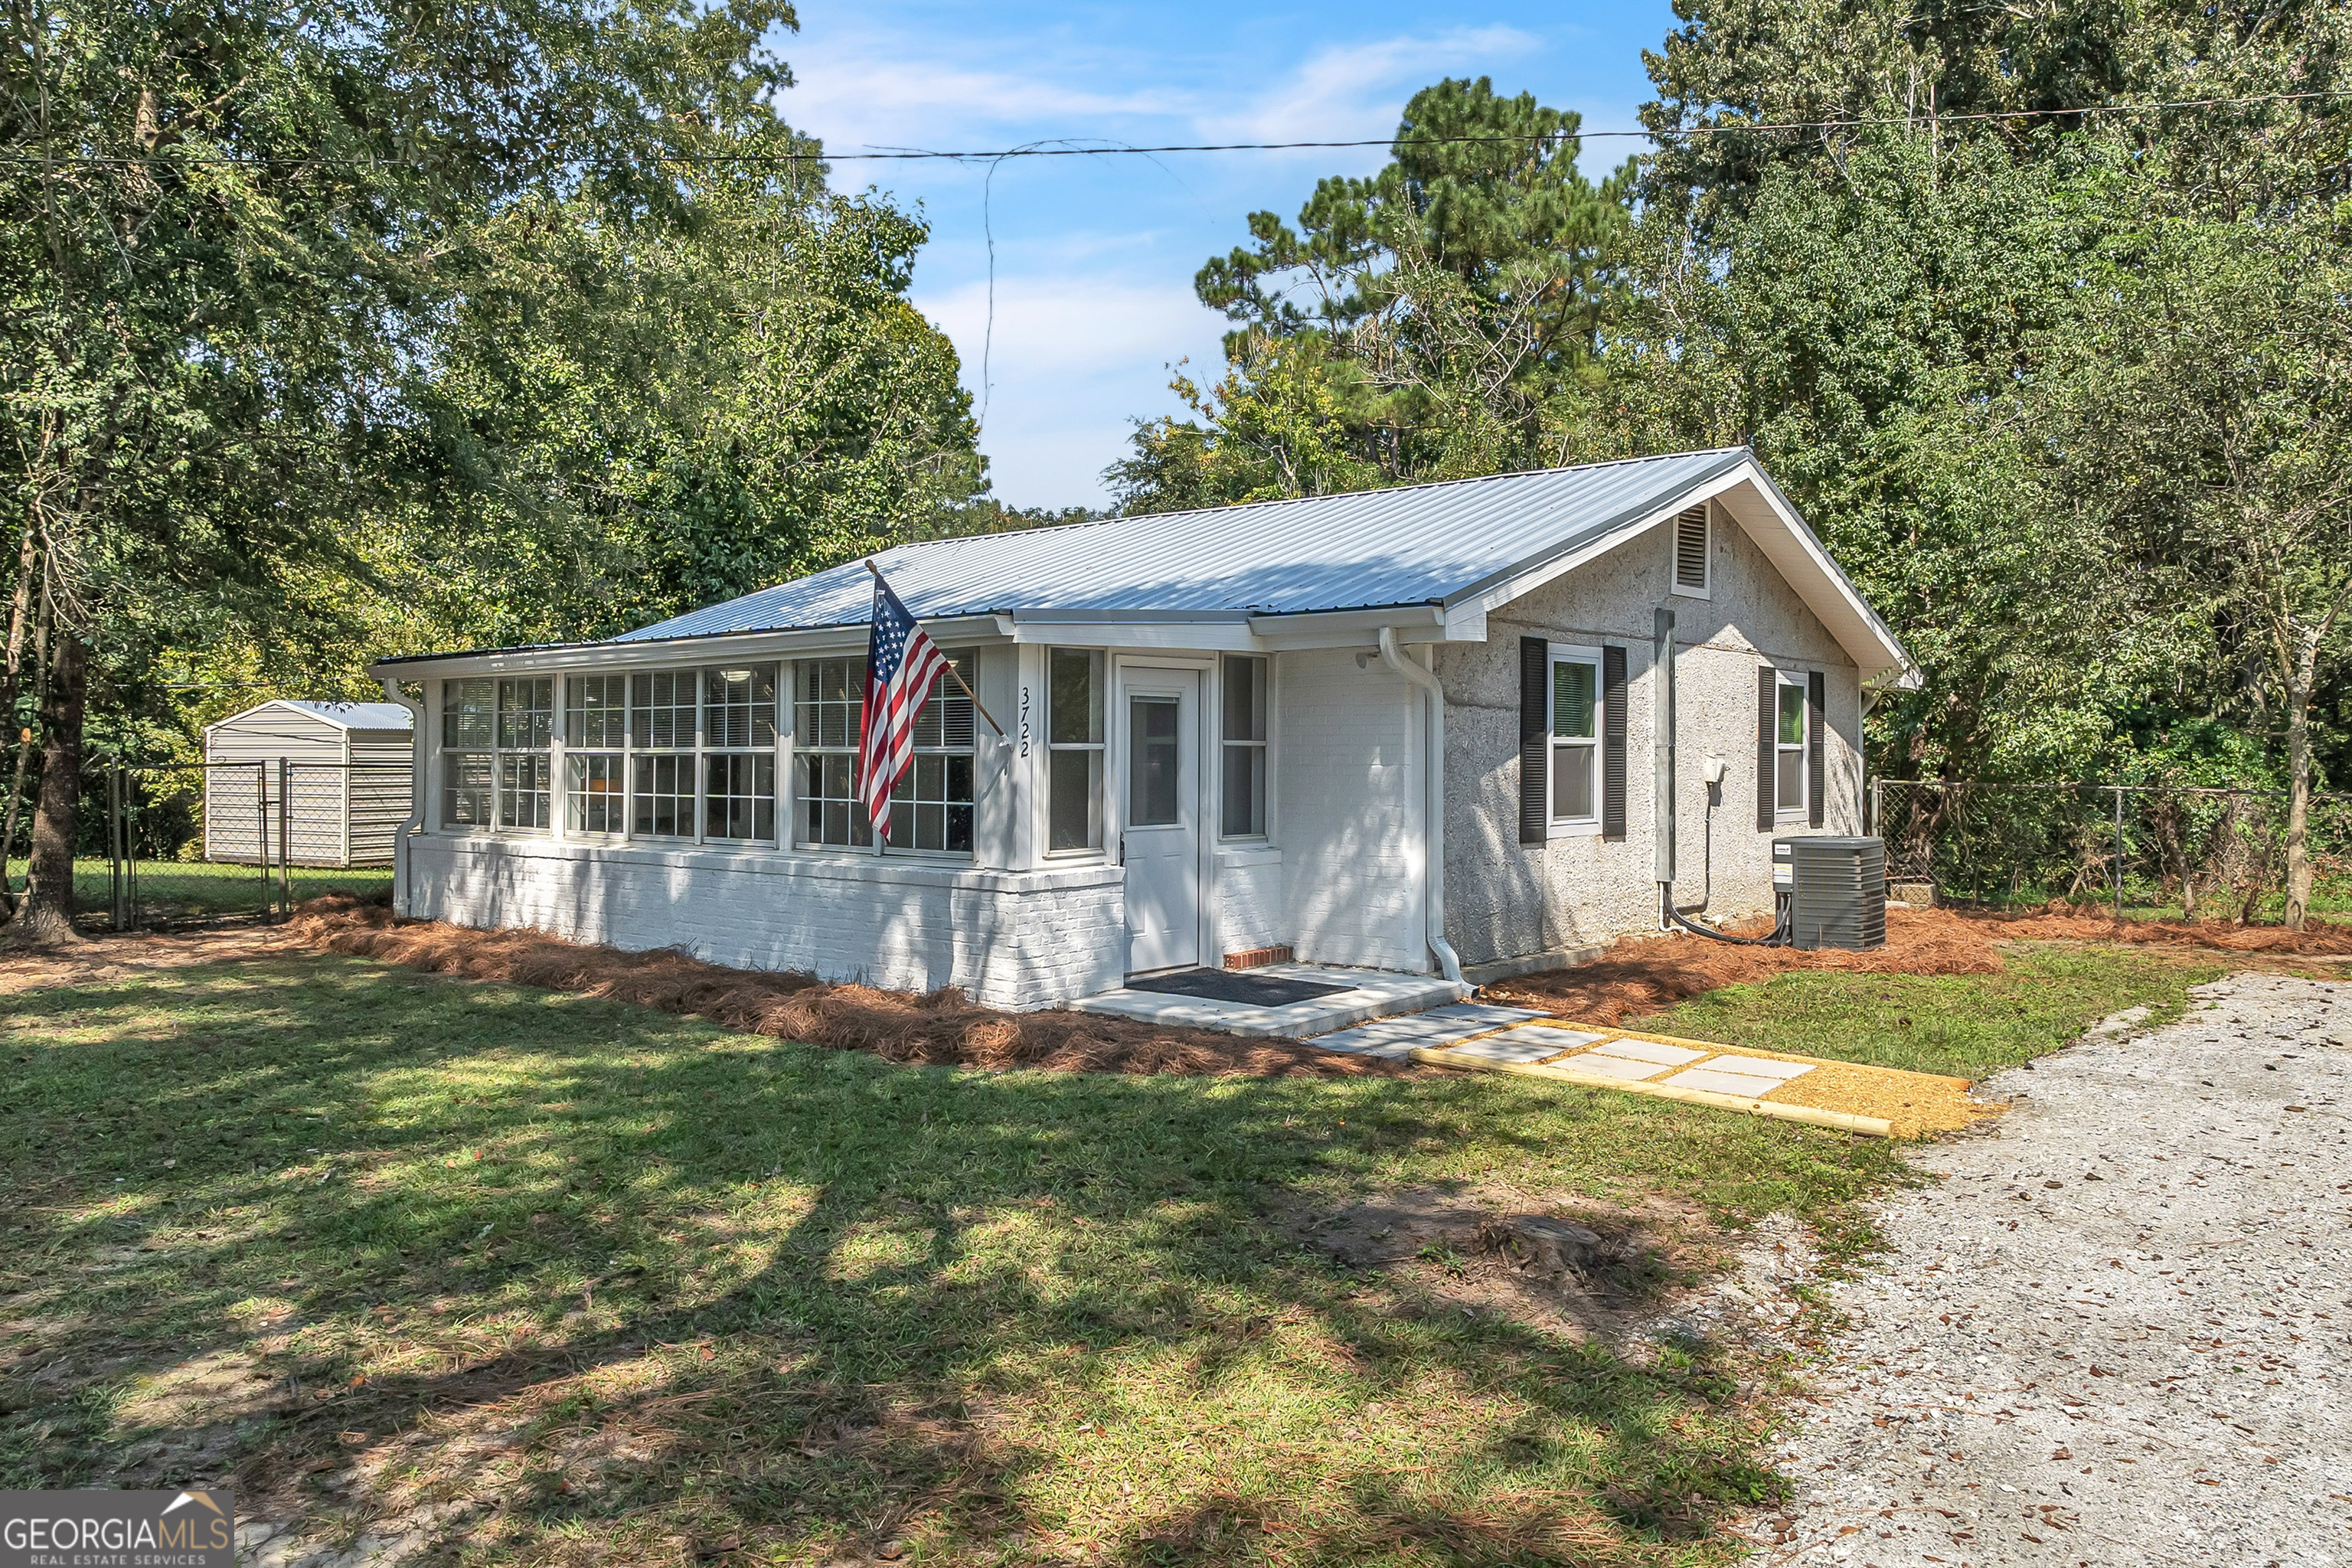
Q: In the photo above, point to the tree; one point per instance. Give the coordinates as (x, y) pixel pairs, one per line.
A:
(1460, 298)
(220, 233)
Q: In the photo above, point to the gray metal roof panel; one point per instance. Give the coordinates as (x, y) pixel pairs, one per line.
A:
(1418, 544)
(355, 715)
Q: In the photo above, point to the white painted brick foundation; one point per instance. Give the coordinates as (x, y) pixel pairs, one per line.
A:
(1015, 939)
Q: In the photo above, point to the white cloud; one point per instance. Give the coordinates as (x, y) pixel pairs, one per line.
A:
(1357, 90)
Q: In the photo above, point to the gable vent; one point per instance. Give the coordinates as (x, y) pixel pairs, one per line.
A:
(1690, 550)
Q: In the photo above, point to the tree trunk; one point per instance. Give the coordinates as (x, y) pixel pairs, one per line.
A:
(2298, 785)
(46, 915)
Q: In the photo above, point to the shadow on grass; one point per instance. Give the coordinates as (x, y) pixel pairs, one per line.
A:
(602, 1276)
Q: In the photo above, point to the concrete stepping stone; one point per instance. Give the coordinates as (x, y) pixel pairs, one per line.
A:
(1650, 1052)
(1751, 1086)
(1528, 1043)
(1760, 1067)
(1609, 1066)
(1439, 1028)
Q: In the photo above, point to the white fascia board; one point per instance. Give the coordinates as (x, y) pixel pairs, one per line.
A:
(1209, 632)
(961, 631)
(1358, 628)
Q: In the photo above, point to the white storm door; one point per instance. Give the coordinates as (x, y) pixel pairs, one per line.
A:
(1160, 820)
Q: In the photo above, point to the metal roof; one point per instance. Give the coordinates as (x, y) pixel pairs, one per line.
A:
(342, 715)
(1421, 544)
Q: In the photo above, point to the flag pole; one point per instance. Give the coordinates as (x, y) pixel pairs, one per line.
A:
(959, 680)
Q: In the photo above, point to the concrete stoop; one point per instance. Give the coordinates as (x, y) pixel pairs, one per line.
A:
(1370, 993)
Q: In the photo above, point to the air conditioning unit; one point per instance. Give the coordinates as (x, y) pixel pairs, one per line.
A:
(1837, 889)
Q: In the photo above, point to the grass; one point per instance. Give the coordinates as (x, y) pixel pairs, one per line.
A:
(631, 1288)
(1965, 1025)
(174, 891)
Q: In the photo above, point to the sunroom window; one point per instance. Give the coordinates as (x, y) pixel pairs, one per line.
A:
(739, 763)
(1073, 746)
(494, 768)
(661, 736)
(596, 736)
(1244, 791)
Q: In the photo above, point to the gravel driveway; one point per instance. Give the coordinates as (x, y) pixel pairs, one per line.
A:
(2114, 1332)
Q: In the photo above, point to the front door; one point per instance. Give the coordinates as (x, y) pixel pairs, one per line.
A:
(1160, 839)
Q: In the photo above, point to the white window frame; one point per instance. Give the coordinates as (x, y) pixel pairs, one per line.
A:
(1554, 655)
(1261, 743)
(1706, 590)
(1100, 783)
(1793, 680)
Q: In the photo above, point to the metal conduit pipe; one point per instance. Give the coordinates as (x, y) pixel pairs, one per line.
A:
(416, 782)
(1433, 802)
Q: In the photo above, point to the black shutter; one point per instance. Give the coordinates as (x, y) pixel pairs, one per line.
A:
(1535, 736)
(1767, 703)
(1612, 742)
(1817, 687)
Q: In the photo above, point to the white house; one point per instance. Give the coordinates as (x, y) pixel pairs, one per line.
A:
(347, 772)
(1460, 726)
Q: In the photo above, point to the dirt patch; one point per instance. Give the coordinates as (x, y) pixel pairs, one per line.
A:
(943, 1029)
(101, 959)
(2064, 922)
(1641, 976)
(1565, 1264)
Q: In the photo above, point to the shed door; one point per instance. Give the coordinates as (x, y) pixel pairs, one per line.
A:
(1159, 838)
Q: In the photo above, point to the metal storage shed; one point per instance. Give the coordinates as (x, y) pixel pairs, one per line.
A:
(349, 766)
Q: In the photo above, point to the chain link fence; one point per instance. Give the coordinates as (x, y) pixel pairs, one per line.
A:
(2200, 853)
(192, 845)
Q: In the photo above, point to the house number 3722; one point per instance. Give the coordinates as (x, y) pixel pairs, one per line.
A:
(1024, 721)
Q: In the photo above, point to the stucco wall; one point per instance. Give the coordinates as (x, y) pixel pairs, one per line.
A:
(1347, 765)
(1015, 939)
(1505, 899)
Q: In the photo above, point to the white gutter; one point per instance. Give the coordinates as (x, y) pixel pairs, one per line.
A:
(416, 822)
(1433, 803)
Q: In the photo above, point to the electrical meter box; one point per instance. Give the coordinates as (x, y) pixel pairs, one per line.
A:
(1837, 889)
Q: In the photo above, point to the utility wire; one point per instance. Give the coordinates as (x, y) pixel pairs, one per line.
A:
(1034, 150)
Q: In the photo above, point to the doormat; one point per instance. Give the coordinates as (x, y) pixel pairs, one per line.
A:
(1224, 985)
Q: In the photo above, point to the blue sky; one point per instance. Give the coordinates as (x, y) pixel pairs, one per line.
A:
(1094, 256)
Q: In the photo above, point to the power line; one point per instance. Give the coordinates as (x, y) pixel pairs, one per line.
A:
(1117, 150)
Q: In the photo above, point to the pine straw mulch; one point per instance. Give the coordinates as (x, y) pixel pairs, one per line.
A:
(1640, 976)
(942, 1028)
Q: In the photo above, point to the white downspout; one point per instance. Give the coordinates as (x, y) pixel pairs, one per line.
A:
(416, 780)
(1433, 806)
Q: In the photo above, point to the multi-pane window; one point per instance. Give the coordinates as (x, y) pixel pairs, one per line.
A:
(468, 731)
(1575, 735)
(828, 696)
(931, 807)
(738, 739)
(526, 725)
(1074, 741)
(595, 734)
(494, 753)
(1789, 746)
(1244, 746)
(661, 732)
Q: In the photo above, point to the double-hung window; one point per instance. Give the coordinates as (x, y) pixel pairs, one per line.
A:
(829, 695)
(931, 806)
(595, 739)
(661, 738)
(1243, 809)
(469, 738)
(739, 763)
(1575, 709)
(526, 725)
(1074, 749)
(1790, 747)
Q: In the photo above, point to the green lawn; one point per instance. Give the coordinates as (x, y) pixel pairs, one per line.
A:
(1966, 1026)
(174, 890)
(635, 1288)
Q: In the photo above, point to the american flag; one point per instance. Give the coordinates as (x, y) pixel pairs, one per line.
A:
(902, 666)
